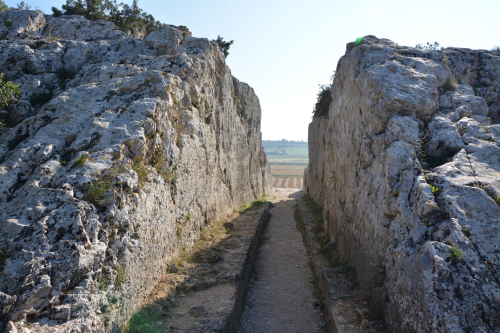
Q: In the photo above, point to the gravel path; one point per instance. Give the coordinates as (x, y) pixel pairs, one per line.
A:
(281, 298)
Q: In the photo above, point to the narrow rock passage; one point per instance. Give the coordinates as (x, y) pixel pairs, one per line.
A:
(281, 297)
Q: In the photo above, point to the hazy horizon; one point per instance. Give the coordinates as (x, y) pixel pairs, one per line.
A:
(285, 49)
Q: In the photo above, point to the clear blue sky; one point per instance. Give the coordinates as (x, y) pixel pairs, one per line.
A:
(284, 49)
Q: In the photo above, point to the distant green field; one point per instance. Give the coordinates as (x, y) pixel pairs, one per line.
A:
(297, 151)
(288, 152)
(288, 159)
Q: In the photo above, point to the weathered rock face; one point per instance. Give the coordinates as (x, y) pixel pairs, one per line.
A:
(409, 175)
(119, 151)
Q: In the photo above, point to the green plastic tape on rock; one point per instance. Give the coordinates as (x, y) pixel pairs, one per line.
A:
(358, 40)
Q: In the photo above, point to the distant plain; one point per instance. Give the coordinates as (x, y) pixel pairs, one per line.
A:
(288, 159)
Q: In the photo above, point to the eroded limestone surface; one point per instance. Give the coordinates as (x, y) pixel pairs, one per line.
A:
(408, 174)
(118, 151)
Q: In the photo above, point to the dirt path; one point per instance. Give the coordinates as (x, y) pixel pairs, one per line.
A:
(281, 298)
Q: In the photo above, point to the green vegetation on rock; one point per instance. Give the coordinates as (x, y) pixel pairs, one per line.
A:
(80, 161)
(429, 46)
(8, 91)
(144, 321)
(451, 84)
(128, 18)
(455, 253)
(323, 99)
(3, 6)
(286, 152)
(224, 46)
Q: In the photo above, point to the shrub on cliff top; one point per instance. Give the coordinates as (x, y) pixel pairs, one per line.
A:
(323, 99)
(23, 6)
(224, 46)
(129, 19)
(3, 6)
(429, 46)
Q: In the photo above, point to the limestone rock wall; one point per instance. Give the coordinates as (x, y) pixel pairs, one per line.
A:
(117, 153)
(408, 174)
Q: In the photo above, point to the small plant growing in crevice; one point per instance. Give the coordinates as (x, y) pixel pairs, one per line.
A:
(462, 130)
(80, 161)
(455, 253)
(103, 281)
(450, 84)
(97, 189)
(8, 22)
(141, 170)
(65, 159)
(121, 276)
(3, 257)
(168, 174)
(489, 191)
(435, 190)
(497, 199)
(158, 162)
(421, 150)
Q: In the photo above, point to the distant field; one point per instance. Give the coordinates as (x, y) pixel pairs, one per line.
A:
(297, 151)
(288, 175)
(288, 162)
(288, 159)
(290, 182)
(287, 170)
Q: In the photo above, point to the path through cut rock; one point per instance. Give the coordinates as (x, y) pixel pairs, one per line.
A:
(281, 297)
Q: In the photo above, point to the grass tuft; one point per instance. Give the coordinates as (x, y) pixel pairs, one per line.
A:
(144, 321)
(254, 204)
(96, 191)
(102, 281)
(80, 161)
(451, 84)
(98, 188)
(455, 253)
(121, 276)
(3, 257)
(142, 172)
